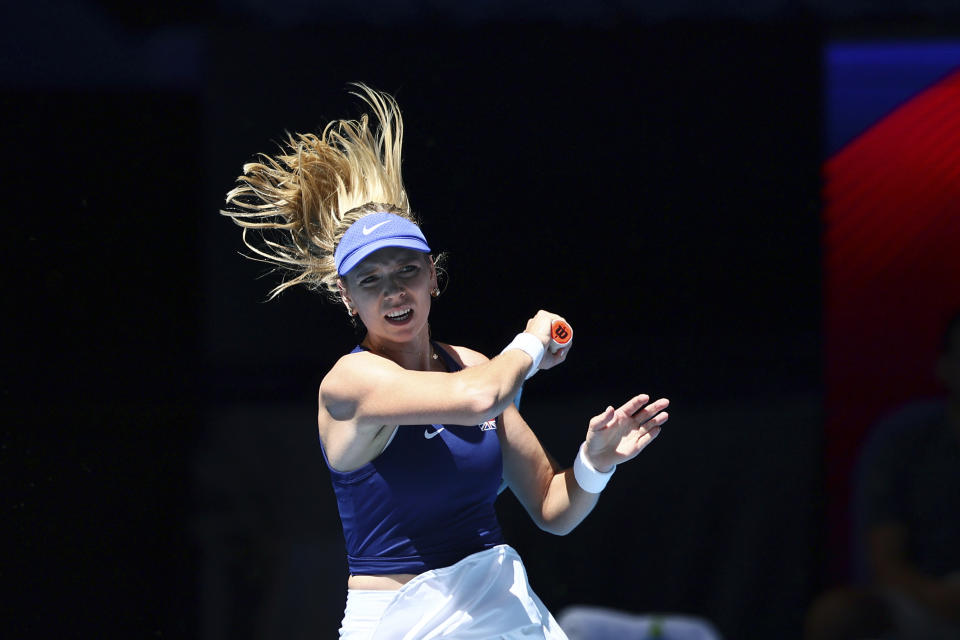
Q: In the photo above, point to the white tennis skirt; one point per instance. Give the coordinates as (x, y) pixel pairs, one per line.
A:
(485, 595)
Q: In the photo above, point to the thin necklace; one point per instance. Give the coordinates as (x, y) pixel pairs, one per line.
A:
(433, 352)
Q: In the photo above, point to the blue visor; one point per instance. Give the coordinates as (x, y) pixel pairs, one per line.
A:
(376, 231)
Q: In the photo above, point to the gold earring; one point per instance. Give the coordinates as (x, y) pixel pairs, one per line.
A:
(435, 292)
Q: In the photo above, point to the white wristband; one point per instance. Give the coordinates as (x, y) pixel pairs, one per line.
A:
(531, 345)
(589, 479)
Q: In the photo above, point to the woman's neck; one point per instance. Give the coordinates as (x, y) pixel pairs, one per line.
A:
(416, 355)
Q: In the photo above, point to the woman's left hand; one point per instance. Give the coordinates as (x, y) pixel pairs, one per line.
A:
(618, 435)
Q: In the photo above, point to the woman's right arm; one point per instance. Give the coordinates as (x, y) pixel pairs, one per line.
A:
(372, 391)
(363, 392)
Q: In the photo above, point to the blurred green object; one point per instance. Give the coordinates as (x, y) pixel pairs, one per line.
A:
(656, 628)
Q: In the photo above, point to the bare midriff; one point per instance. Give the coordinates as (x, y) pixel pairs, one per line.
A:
(387, 582)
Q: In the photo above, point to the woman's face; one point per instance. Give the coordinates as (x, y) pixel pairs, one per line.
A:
(390, 290)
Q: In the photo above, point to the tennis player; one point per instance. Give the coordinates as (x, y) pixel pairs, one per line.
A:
(418, 434)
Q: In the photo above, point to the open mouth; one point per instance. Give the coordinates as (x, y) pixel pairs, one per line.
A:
(399, 316)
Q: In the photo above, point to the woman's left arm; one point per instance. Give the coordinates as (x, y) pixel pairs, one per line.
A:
(551, 494)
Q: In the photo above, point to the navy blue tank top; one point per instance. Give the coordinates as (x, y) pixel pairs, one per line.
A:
(426, 501)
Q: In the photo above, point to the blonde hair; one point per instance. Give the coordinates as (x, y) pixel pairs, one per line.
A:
(294, 207)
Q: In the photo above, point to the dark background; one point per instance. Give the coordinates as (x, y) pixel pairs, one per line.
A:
(651, 173)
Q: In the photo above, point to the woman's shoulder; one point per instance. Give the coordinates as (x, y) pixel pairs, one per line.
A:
(464, 356)
(350, 369)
